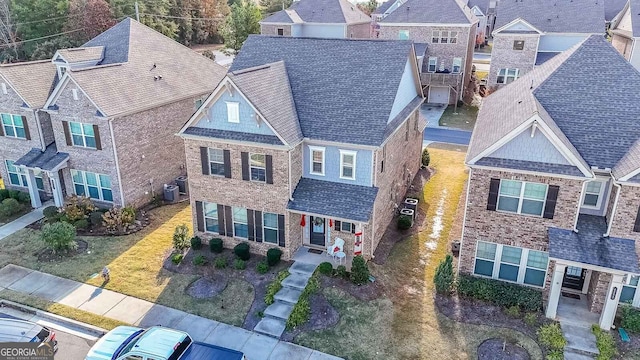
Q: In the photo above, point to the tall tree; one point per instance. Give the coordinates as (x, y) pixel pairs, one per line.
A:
(368, 7)
(153, 13)
(240, 23)
(94, 16)
(271, 6)
(38, 18)
(8, 47)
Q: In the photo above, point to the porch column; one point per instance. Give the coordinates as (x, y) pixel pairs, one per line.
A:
(56, 188)
(33, 189)
(611, 302)
(554, 293)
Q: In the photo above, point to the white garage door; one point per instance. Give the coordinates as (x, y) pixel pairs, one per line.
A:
(438, 95)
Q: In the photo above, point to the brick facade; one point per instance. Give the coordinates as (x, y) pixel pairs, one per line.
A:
(269, 29)
(598, 288)
(359, 31)
(503, 56)
(626, 213)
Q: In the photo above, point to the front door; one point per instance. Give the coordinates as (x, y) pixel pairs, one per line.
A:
(574, 278)
(317, 231)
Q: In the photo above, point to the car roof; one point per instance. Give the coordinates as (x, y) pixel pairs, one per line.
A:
(16, 330)
(159, 341)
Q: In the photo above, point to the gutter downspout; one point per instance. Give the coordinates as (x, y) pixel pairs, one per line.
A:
(615, 206)
(464, 216)
(43, 146)
(290, 179)
(575, 222)
(115, 156)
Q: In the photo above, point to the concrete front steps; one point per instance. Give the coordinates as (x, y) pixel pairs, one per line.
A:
(581, 342)
(276, 315)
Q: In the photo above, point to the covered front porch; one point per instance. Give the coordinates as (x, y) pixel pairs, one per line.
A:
(50, 162)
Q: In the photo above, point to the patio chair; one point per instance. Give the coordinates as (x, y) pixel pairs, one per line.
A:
(336, 247)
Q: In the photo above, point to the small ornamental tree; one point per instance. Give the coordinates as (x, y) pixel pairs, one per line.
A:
(443, 278)
(426, 158)
(359, 271)
(59, 236)
(181, 239)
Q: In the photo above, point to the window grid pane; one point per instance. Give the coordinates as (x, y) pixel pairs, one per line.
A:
(96, 186)
(211, 217)
(486, 250)
(538, 259)
(511, 255)
(510, 187)
(535, 191)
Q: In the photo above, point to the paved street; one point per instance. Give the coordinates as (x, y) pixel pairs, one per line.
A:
(447, 135)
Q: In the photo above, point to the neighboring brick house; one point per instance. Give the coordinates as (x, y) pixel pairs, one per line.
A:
(100, 120)
(485, 11)
(444, 42)
(553, 197)
(326, 158)
(319, 18)
(625, 32)
(529, 32)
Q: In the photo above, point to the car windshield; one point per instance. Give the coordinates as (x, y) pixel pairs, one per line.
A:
(129, 343)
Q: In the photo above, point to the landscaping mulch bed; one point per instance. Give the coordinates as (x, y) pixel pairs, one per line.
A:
(499, 349)
(47, 255)
(142, 221)
(323, 316)
(392, 235)
(627, 350)
(367, 292)
(206, 287)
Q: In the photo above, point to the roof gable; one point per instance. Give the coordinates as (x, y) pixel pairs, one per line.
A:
(517, 25)
(31, 80)
(422, 11)
(562, 16)
(115, 42)
(531, 145)
(628, 21)
(320, 11)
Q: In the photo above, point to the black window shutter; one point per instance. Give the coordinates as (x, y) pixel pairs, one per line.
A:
(228, 221)
(493, 194)
(227, 163)
(337, 225)
(636, 226)
(245, 166)
(199, 216)
(204, 158)
(258, 226)
(353, 228)
(27, 135)
(281, 230)
(221, 221)
(550, 205)
(96, 133)
(251, 225)
(268, 159)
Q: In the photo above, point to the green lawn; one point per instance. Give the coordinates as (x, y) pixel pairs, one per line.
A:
(464, 119)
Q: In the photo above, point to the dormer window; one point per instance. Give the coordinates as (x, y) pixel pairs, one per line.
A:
(61, 71)
(233, 112)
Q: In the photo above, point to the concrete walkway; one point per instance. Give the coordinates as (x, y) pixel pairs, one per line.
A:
(144, 313)
(22, 222)
(576, 320)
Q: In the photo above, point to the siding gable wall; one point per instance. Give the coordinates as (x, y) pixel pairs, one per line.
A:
(332, 165)
(537, 148)
(406, 90)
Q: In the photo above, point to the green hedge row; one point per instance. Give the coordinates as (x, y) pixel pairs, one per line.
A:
(500, 293)
(630, 318)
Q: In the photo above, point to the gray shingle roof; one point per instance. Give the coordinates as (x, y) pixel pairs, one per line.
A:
(431, 11)
(332, 199)
(259, 85)
(384, 7)
(233, 135)
(46, 160)
(588, 246)
(31, 80)
(530, 166)
(560, 16)
(635, 16)
(321, 11)
(115, 42)
(544, 56)
(612, 8)
(398, 119)
(89, 53)
(335, 95)
(483, 5)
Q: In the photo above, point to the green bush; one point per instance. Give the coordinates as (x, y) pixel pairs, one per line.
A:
(273, 256)
(60, 236)
(262, 267)
(550, 336)
(302, 310)
(177, 258)
(14, 194)
(78, 207)
(215, 245)
(513, 311)
(181, 237)
(95, 218)
(4, 194)
(530, 319)
(274, 287)
(23, 197)
(128, 215)
(341, 272)
(81, 224)
(196, 243)
(50, 212)
(443, 278)
(630, 318)
(426, 158)
(221, 262)
(10, 207)
(605, 343)
(239, 264)
(325, 268)
(500, 293)
(555, 355)
(404, 222)
(359, 271)
(200, 260)
(242, 251)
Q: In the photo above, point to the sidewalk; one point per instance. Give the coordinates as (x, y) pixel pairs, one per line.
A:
(22, 222)
(144, 313)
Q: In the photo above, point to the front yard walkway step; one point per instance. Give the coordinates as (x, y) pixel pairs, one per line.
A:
(288, 295)
(295, 281)
(279, 310)
(271, 327)
(302, 268)
(568, 355)
(580, 340)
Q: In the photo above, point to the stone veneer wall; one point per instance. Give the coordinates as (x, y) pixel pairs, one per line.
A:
(503, 56)
(598, 288)
(626, 213)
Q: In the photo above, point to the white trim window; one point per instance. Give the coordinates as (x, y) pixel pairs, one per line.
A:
(518, 44)
(521, 197)
(433, 64)
(316, 160)
(270, 227)
(210, 212)
(82, 135)
(346, 226)
(347, 165)
(258, 167)
(507, 76)
(403, 35)
(92, 185)
(216, 162)
(18, 177)
(593, 194)
(444, 37)
(457, 65)
(233, 112)
(510, 263)
(240, 223)
(13, 126)
(630, 293)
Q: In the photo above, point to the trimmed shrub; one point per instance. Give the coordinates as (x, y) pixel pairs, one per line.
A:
(404, 222)
(239, 264)
(500, 293)
(181, 237)
(273, 256)
(262, 267)
(78, 207)
(426, 158)
(14, 194)
(325, 268)
(341, 272)
(221, 262)
(95, 218)
(605, 343)
(630, 318)
(10, 207)
(82, 224)
(50, 212)
(4, 194)
(196, 243)
(274, 287)
(530, 319)
(128, 215)
(177, 258)
(200, 260)
(550, 336)
(60, 236)
(242, 251)
(215, 245)
(513, 311)
(359, 271)
(23, 197)
(116, 219)
(443, 278)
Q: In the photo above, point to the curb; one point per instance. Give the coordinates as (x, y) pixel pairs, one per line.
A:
(90, 329)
